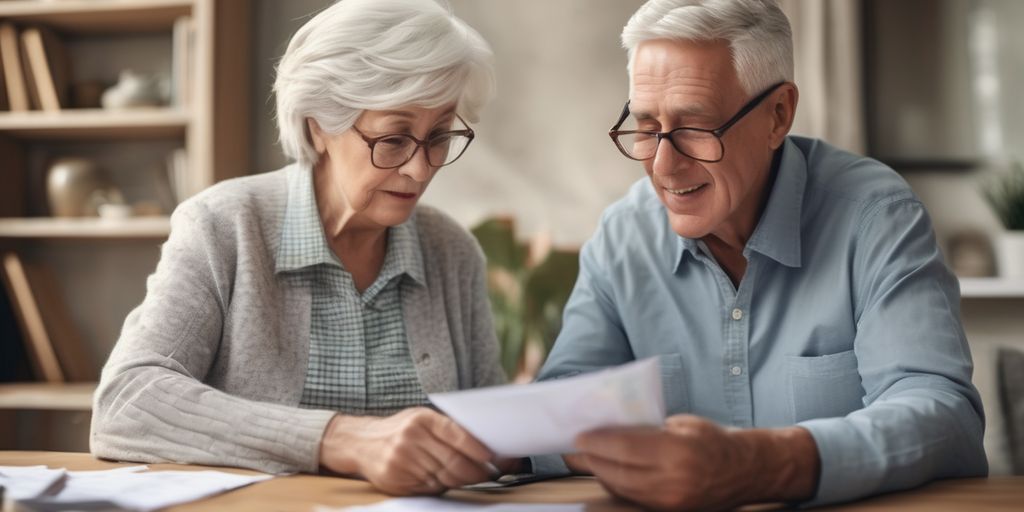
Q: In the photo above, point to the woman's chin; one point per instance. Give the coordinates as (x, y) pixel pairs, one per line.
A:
(391, 216)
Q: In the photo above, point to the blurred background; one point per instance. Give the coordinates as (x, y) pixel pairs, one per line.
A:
(165, 98)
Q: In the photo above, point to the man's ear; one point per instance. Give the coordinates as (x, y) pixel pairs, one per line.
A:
(316, 135)
(783, 105)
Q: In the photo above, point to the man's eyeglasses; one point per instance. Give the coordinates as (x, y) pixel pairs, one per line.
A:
(393, 150)
(697, 143)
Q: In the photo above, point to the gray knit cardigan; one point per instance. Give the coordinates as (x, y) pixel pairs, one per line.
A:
(209, 369)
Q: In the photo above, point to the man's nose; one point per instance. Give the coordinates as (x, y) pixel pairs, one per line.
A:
(667, 160)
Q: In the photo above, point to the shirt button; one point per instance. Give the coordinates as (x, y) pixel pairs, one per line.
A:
(737, 314)
(736, 370)
(425, 358)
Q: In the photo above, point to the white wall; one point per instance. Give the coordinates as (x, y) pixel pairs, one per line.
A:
(542, 152)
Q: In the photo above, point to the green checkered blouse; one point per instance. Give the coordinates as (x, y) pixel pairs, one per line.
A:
(359, 359)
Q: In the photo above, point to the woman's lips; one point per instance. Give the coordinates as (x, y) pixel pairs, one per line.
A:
(402, 195)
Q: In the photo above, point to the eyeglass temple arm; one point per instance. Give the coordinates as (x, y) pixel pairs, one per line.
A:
(622, 117)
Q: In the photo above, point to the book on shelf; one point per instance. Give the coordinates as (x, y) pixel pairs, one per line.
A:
(177, 174)
(4, 104)
(182, 42)
(14, 363)
(46, 67)
(13, 71)
(53, 344)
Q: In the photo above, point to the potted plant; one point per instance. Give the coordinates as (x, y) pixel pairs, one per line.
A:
(1006, 196)
(528, 285)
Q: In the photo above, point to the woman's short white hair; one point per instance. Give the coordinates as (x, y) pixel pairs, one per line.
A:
(757, 31)
(361, 55)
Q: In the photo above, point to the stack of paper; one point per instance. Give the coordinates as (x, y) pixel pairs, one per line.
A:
(545, 417)
(131, 488)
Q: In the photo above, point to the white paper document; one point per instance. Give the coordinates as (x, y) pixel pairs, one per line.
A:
(131, 487)
(434, 504)
(25, 482)
(545, 417)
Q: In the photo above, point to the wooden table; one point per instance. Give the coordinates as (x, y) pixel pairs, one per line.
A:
(303, 492)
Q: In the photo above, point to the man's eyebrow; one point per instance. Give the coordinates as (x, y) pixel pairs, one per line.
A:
(681, 112)
(690, 110)
(642, 115)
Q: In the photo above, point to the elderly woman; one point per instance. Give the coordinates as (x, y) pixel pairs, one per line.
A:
(297, 319)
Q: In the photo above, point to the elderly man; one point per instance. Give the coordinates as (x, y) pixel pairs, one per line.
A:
(807, 328)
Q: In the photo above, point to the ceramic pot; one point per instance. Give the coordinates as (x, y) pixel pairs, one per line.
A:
(70, 183)
(1010, 247)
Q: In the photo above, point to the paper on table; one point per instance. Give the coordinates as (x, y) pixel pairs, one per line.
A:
(153, 489)
(545, 417)
(25, 482)
(130, 487)
(107, 472)
(433, 504)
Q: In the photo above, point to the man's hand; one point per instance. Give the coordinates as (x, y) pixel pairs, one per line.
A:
(693, 464)
(416, 451)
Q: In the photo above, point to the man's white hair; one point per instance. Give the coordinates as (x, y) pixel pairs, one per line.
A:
(757, 32)
(361, 55)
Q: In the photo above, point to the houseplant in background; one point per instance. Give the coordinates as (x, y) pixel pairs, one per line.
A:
(1006, 196)
(528, 284)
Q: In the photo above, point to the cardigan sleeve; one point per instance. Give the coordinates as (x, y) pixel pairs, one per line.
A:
(152, 404)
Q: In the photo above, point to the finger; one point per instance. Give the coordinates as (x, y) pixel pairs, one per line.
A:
(687, 422)
(432, 485)
(635, 446)
(577, 462)
(454, 468)
(457, 437)
(413, 468)
(624, 481)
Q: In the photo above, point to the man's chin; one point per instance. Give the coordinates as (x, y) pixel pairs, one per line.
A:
(689, 226)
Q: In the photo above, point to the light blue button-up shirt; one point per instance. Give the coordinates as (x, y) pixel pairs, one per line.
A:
(847, 322)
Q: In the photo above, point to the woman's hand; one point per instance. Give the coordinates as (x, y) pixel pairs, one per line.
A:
(416, 451)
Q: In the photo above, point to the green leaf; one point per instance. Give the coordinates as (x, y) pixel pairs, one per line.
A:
(1005, 193)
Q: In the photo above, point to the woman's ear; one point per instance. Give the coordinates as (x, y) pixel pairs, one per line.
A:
(316, 135)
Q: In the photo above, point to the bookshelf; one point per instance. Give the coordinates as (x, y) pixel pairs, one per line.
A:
(98, 16)
(90, 124)
(991, 288)
(59, 397)
(156, 228)
(211, 126)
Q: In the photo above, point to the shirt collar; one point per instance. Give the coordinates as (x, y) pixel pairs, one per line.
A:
(303, 243)
(777, 234)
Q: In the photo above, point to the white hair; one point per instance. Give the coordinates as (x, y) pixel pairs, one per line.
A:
(361, 55)
(757, 32)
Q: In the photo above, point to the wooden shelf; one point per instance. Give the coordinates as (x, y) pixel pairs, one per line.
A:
(991, 288)
(63, 397)
(98, 16)
(90, 227)
(94, 124)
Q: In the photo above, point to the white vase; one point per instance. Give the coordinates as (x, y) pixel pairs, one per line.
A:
(1010, 247)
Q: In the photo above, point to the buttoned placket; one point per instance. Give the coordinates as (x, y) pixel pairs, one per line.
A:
(735, 317)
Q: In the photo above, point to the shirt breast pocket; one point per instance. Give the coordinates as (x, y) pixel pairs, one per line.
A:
(673, 384)
(824, 386)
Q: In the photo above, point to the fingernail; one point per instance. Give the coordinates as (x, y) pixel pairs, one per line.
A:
(492, 471)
